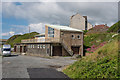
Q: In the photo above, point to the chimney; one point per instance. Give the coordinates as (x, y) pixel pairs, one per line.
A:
(85, 18)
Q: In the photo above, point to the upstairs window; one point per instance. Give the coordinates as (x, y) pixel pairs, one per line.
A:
(73, 37)
(78, 36)
(50, 32)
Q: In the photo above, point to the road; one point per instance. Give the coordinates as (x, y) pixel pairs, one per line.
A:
(34, 67)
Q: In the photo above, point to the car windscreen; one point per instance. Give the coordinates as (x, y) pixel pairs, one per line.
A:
(7, 49)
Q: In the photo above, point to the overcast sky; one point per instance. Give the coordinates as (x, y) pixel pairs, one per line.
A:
(17, 16)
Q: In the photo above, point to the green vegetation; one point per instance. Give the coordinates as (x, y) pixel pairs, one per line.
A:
(93, 41)
(96, 39)
(85, 31)
(103, 63)
(115, 27)
(17, 38)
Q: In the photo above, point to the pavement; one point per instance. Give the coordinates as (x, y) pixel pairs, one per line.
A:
(18, 66)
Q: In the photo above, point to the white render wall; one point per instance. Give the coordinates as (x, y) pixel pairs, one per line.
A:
(89, 26)
(78, 22)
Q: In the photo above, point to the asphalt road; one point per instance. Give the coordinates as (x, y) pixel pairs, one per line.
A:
(34, 67)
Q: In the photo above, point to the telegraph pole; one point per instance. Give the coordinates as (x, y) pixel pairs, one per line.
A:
(29, 32)
(29, 29)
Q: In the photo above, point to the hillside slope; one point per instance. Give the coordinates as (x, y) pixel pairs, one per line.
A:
(103, 63)
(17, 38)
(98, 29)
(94, 41)
(115, 27)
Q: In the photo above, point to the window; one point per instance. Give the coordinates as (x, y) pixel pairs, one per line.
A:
(38, 46)
(73, 37)
(28, 46)
(18, 46)
(33, 46)
(7, 49)
(43, 46)
(78, 36)
(50, 32)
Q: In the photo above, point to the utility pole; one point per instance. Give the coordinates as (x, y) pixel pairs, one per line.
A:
(29, 29)
(29, 32)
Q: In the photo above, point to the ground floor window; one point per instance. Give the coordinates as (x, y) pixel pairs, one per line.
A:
(43, 46)
(38, 46)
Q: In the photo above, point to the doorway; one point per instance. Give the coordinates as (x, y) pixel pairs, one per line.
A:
(75, 49)
(57, 51)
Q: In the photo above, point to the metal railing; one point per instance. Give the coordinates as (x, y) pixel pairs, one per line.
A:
(40, 40)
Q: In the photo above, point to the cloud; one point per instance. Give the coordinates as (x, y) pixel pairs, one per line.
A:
(60, 12)
(60, 1)
(40, 28)
(11, 33)
(5, 34)
(21, 29)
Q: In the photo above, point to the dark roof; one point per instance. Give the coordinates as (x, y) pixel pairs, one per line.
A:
(98, 29)
(101, 26)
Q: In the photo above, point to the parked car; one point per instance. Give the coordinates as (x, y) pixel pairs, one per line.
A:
(6, 50)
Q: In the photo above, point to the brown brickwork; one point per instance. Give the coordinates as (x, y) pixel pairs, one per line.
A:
(64, 52)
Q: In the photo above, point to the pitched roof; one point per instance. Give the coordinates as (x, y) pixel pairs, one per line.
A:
(100, 26)
(64, 28)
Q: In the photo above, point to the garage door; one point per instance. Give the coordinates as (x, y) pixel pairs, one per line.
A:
(75, 50)
(57, 51)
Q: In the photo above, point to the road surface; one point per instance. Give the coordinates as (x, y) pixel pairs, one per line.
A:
(34, 67)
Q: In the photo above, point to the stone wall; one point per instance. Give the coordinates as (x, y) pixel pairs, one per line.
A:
(72, 39)
(40, 49)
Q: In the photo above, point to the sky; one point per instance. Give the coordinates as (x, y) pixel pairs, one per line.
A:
(17, 17)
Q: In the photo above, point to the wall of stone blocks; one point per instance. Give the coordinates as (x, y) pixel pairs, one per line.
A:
(40, 49)
(67, 37)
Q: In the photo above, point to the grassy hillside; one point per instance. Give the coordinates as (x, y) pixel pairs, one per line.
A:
(94, 41)
(103, 63)
(17, 38)
(115, 27)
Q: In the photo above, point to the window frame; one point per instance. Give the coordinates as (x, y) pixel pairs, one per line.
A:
(78, 37)
(50, 32)
(44, 46)
(73, 36)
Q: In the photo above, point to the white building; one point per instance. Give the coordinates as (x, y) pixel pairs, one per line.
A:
(79, 22)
